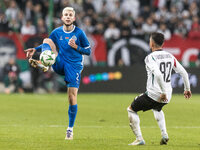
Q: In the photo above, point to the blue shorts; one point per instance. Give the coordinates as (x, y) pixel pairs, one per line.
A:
(72, 72)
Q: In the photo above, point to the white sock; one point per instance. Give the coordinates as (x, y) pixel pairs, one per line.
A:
(70, 128)
(160, 118)
(135, 123)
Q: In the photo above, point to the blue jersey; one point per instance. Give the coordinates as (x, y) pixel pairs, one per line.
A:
(69, 61)
(61, 38)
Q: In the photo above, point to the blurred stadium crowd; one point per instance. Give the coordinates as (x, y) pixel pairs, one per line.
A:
(112, 19)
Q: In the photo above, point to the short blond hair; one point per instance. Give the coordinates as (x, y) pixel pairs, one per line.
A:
(68, 9)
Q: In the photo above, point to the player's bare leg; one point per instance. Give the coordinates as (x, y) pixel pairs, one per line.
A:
(51, 44)
(72, 97)
(37, 63)
(160, 118)
(135, 126)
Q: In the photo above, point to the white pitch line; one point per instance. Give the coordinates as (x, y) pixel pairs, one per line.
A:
(60, 126)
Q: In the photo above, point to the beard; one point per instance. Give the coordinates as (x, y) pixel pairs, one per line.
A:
(67, 25)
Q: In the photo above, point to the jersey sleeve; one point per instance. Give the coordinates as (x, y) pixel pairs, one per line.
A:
(154, 69)
(53, 36)
(39, 48)
(178, 68)
(84, 47)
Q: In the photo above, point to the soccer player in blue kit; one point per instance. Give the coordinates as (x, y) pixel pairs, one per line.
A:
(73, 44)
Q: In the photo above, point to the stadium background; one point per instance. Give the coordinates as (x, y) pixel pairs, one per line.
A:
(118, 31)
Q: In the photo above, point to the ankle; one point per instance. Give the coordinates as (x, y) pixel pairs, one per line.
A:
(164, 135)
(70, 128)
(140, 138)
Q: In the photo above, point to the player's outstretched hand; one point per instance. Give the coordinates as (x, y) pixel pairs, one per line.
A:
(72, 43)
(163, 98)
(187, 94)
(29, 52)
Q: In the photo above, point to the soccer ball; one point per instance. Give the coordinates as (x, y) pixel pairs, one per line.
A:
(47, 58)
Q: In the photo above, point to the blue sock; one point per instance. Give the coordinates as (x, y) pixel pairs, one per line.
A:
(45, 47)
(72, 114)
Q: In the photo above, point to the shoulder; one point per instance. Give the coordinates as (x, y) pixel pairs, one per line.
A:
(150, 58)
(151, 55)
(57, 29)
(146, 60)
(168, 55)
(79, 31)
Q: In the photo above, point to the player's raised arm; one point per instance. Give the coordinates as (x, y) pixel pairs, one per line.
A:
(30, 51)
(84, 48)
(178, 68)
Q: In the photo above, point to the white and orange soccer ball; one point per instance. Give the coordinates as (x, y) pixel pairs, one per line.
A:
(47, 58)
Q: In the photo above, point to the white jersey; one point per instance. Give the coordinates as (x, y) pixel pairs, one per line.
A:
(159, 65)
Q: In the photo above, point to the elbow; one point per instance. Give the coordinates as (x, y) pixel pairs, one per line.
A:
(183, 73)
(88, 52)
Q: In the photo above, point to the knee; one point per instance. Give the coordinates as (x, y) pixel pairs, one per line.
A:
(51, 44)
(71, 96)
(130, 114)
(129, 109)
(157, 115)
(156, 118)
(48, 41)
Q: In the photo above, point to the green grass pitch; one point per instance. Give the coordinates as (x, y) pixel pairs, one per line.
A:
(38, 122)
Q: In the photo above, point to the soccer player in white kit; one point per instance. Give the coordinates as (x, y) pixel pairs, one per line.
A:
(159, 65)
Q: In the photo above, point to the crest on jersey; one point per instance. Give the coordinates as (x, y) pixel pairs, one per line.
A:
(74, 38)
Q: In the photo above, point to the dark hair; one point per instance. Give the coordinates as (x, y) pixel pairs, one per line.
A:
(158, 38)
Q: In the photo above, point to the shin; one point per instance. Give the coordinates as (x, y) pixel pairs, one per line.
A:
(135, 123)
